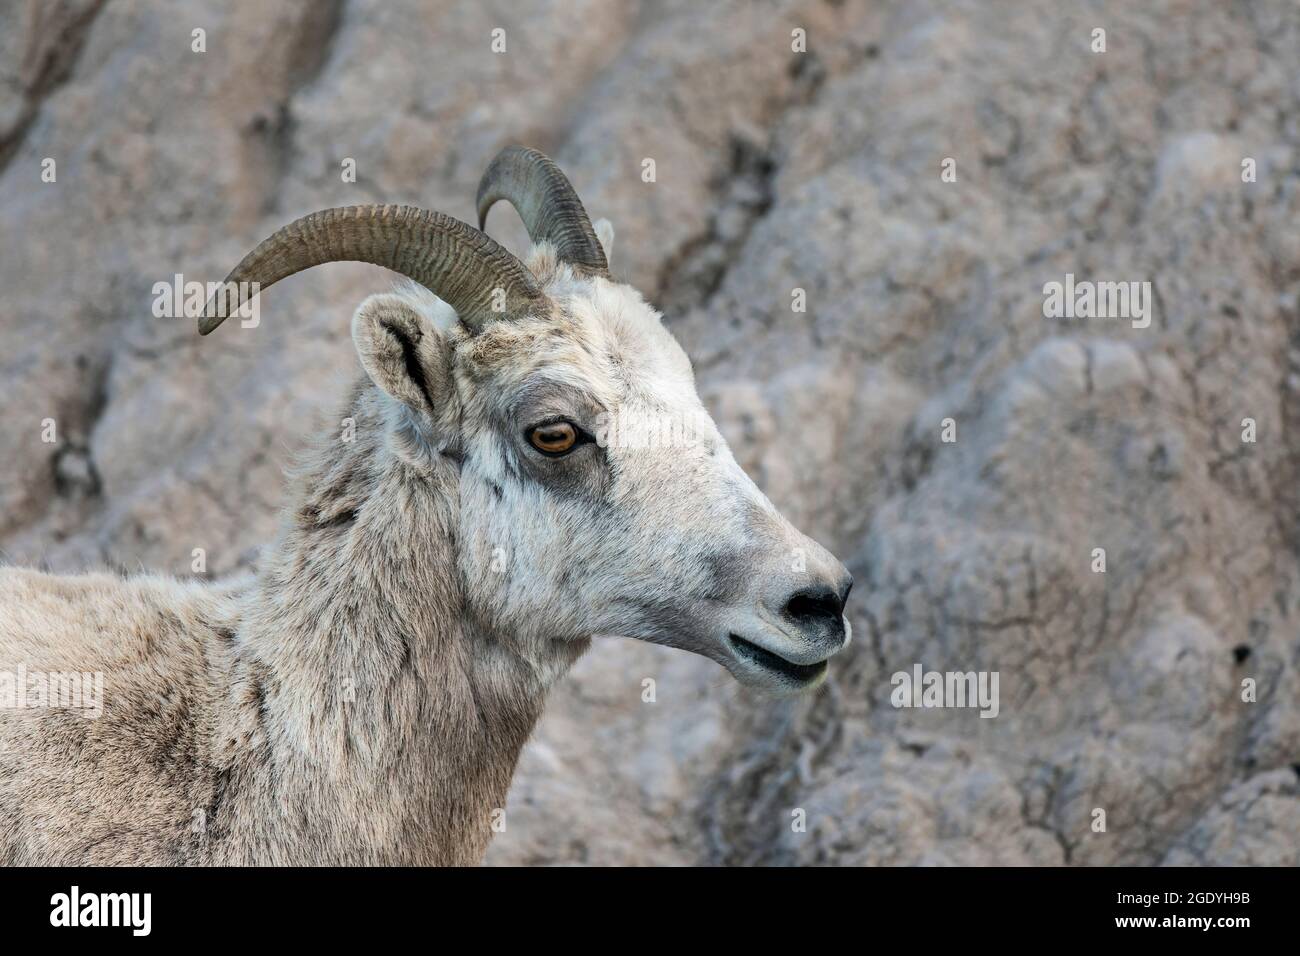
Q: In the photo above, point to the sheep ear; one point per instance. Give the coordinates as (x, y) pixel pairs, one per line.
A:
(403, 352)
(605, 233)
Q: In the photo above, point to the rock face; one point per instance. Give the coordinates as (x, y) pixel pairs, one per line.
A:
(1172, 158)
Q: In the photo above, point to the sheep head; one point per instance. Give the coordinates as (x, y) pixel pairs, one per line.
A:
(596, 495)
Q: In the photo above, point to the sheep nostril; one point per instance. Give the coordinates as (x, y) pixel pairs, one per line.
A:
(813, 605)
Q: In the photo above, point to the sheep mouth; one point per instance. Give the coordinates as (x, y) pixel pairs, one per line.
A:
(761, 657)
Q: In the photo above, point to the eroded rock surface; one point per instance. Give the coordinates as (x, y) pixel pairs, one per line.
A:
(775, 171)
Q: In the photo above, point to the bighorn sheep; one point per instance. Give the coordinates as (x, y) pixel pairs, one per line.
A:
(363, 698)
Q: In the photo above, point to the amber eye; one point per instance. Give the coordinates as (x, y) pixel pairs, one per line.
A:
(556, 438)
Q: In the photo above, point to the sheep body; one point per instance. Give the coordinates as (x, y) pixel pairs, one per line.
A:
(336, 708)
(119, 790)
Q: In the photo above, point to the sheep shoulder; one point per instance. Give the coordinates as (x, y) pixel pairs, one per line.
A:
(118, 776)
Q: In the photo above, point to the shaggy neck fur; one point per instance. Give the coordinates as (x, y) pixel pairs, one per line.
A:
(371, 719)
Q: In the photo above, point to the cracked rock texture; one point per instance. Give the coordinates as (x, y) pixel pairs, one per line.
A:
(775, 171)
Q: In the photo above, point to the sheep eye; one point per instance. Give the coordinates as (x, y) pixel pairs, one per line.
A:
(553, 438)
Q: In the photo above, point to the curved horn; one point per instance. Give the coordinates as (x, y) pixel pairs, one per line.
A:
(451, 259)
(546, 202)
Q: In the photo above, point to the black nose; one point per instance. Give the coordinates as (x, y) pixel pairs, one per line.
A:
(818, 606)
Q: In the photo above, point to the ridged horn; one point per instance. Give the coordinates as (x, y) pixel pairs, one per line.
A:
(452, 259)
(546, 202)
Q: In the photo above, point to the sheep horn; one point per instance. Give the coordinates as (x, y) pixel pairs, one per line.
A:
(455, 261)
(546, 202)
